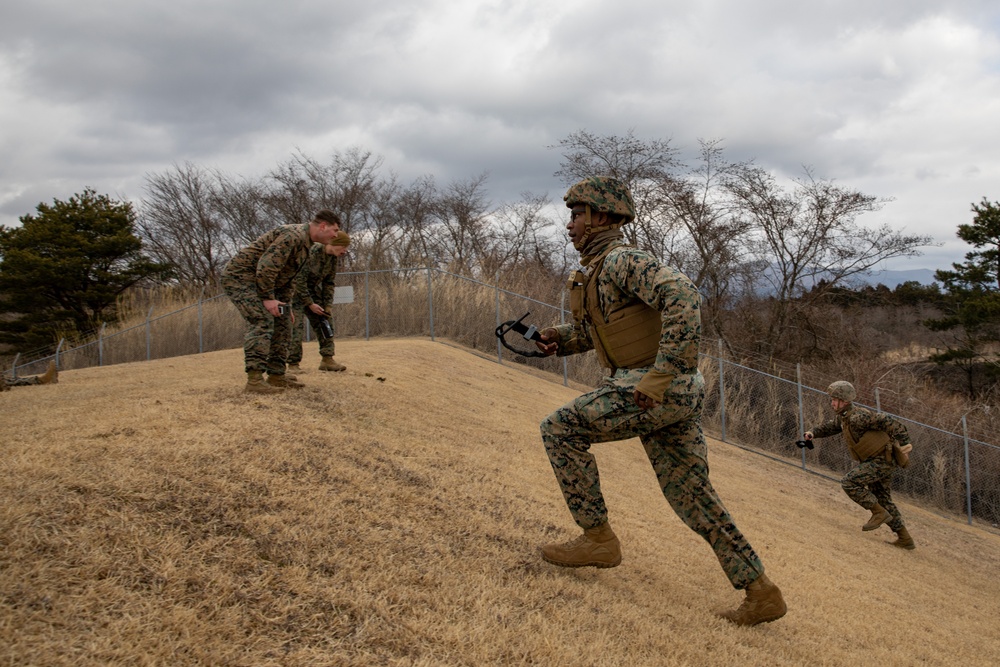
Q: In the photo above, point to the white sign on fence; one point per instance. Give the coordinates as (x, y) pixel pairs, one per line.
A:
(343, 294)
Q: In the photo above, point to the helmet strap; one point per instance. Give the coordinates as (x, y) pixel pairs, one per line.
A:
(588, 229)
(590, 233)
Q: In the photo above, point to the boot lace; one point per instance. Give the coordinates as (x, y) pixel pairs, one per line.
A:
(576, 541)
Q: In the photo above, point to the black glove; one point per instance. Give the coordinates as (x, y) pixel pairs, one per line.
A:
(803, 444)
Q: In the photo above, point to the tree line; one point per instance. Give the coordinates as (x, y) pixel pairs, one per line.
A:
(771, 258)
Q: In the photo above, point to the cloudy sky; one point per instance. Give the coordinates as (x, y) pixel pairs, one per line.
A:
(899, 99)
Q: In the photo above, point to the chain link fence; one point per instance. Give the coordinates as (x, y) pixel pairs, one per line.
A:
(746, 407)
(948, 471)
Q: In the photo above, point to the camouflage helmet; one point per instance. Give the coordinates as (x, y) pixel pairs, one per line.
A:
(842, 390)
(602, 193)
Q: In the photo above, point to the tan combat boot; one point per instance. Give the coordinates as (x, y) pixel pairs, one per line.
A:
(256, 384)
(762, 604)
(284, 381)
(597, 547)
(879, 516)
(328, 364)
(51, 375)
(903, 539)
(294, 368)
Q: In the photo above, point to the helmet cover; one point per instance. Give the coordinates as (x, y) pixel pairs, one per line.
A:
(602, 193)
(842, 390)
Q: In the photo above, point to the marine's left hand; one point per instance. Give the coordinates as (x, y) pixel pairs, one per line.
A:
(644, 402)
(549, 344)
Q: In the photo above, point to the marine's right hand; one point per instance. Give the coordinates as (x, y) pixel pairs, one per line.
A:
(271, 306)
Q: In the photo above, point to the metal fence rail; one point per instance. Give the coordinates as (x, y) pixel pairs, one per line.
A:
(744, 406)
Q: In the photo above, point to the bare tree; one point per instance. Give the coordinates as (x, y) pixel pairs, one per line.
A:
(463, 226)
(520, 239)
(302, 185)
(179, 224)
(241, 206)
(419, 207)
(643, 165)
(356, 178)
(290, 194)
(801, 238)
(713, 251)
(378, 247)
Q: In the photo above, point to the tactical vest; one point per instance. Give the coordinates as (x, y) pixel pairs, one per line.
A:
(629, 337)
(871, 444)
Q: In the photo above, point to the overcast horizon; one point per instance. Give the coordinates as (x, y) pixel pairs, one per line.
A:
(897, 99)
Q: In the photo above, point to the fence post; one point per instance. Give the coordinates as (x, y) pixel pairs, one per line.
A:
(430, 301)
(496, 288)
(968, 476)
(878, 401)
(149, 342)
(13, 369)
(562, 320)
(100, 345)
(722, 394)
(802, 422)
(367, 310)
(58, 350)
(201, 323)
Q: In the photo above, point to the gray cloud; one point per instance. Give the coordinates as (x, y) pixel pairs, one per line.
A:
(896, 99)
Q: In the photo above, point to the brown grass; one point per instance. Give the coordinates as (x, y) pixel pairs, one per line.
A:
(153, 514)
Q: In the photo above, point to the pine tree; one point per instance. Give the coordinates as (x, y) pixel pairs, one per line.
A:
(972, 303)
(63, 269)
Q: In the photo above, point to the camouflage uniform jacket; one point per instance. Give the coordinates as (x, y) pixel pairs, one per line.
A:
(315, 282)
(627, 276)
(860, 421)
(273, 260)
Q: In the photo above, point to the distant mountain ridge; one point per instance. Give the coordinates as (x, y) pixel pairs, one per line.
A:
(892, 279)
(889, 278)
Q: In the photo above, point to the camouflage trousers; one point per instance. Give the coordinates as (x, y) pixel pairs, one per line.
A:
(326, 345)
(22, 381)
(870, 483)
(672, 438)
(265, 344)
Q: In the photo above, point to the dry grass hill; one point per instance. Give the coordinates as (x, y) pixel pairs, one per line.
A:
(153, 514)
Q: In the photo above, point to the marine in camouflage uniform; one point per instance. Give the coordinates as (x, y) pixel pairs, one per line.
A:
(314, 288)
(643, 319)
(869, 436)
(258, 280)
(50, 376)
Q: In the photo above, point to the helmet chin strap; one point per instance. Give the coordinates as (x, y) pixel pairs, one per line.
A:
(587, 231)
